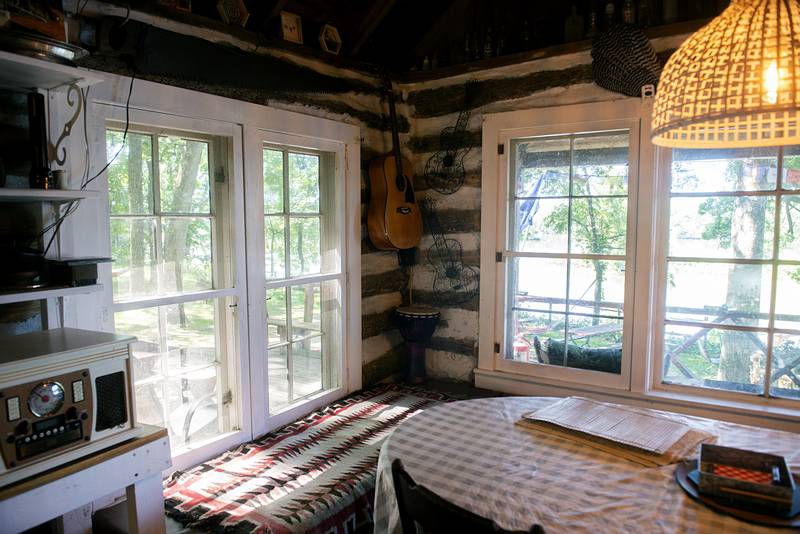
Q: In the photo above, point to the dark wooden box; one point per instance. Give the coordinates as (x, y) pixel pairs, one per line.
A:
(778, 498)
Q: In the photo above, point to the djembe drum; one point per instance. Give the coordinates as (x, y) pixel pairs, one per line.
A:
(416, 325)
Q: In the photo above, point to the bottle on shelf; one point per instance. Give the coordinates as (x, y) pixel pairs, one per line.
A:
(611, 16)
(488, 45)
(645, 14)
(526, 36)
(501, 42)
(628, 14)
(592, 31)
(573, 26)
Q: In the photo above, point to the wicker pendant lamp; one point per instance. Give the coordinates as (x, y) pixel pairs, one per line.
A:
(734, 83)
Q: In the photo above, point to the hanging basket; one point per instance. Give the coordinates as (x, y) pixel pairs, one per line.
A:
(623, 60)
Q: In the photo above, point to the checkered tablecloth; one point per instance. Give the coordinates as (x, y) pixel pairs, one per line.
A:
(472, 454)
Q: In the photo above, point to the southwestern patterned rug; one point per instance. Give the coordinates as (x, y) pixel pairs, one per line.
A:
(314, 475)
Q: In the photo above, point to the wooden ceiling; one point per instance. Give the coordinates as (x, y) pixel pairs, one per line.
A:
(397, 35)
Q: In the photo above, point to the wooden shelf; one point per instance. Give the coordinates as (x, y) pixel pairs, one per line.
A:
(28, 73)
(47, 293)
(8, 194)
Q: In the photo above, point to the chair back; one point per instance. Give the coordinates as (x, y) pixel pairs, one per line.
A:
(421, 507)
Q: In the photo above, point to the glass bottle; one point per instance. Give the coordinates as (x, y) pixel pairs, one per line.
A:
(628, 16)
(488, 44)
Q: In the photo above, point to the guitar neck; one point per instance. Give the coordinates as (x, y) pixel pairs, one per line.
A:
(395, 133)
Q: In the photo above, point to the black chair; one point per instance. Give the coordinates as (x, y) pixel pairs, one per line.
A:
(421, 507)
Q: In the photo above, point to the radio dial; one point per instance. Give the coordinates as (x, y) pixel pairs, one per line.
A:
(46, 399)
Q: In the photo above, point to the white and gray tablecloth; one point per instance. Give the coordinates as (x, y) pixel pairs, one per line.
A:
(472, 454)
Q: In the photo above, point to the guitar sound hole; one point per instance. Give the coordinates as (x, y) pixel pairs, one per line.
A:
(403, 210)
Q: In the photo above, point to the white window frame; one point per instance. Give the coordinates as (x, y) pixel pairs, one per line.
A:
(502, 129)
(245, 122)
(256, 141)
(648, 259)
(231, 292)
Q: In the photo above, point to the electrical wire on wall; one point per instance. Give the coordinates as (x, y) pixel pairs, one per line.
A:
(72, 206)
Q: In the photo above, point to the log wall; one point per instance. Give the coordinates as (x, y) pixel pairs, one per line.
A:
(435, 104)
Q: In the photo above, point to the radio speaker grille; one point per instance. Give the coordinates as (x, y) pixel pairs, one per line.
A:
(111, 406)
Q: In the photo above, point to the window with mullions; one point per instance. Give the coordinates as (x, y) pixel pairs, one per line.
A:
(566, 251)
(168, 279)
(303, 271)
(731, 319)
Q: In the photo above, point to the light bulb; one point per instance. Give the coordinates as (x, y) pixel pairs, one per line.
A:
(771, 82)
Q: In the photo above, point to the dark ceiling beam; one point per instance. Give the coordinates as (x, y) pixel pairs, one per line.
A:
(370, 23)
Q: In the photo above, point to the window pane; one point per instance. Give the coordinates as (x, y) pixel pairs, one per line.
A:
(722, 227)
(594, 344)
(305, 245)
(307, 367)
(531, 333)
(790, 228)
(538, 283)
(133, 271)
(274, 247)
(278, 377)
(183, 174)
(786, 366)
(305, 310)
(175, 370)
(273, 181)
(277, 327)
(599, 225)
(724, 170)
(191, 337)
(187, 254)
(787, 301)
(193, 406)
(542, 167)
(719, 293)
(714, 358)
(597, 287)
(540, 225)
(130, 175)
(147, 350)
(150, 403)
(600, 165)
(303, 183)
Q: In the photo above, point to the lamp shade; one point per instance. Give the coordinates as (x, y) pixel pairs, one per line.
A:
(735, 82)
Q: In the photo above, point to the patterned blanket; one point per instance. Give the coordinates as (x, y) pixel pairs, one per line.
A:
(314, 475)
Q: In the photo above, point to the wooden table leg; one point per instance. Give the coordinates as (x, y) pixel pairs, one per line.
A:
(145, 501)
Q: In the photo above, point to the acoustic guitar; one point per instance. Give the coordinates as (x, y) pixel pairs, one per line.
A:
(393, 218)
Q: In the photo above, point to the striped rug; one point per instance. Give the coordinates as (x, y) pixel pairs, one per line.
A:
(314, 475)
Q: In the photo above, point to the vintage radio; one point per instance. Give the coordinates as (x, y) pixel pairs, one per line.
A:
(64, 394)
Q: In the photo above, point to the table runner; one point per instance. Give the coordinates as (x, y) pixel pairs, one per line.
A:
(474, 455)
(314, 475)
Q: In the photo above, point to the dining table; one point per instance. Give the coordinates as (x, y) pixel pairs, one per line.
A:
(473, 454)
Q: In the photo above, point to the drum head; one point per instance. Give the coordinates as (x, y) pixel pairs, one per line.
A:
(417, 311)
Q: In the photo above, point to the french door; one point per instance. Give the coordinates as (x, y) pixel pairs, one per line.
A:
(296, 262)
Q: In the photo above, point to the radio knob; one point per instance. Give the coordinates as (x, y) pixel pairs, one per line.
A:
(10, 438)
(72, 412)
(22, 427)
(84, 416)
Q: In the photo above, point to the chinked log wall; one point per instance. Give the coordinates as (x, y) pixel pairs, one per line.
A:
(435, 104)
(186, 57)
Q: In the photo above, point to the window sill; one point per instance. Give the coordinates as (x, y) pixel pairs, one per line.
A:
(723, 409)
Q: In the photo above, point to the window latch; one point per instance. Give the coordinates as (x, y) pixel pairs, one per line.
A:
(501, 149)
(498, 257)
(497, 348)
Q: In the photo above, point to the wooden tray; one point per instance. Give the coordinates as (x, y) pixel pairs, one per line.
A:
(682, 478)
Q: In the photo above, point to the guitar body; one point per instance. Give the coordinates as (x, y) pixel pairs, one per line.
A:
(393, 218)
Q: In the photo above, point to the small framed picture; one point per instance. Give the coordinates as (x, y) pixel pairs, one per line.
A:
(291, 27)
(329, 39)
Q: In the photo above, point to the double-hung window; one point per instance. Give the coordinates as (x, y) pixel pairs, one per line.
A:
(562, 273)
(171, 277)
(730, 319)
(303, 272)
(615, 268)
